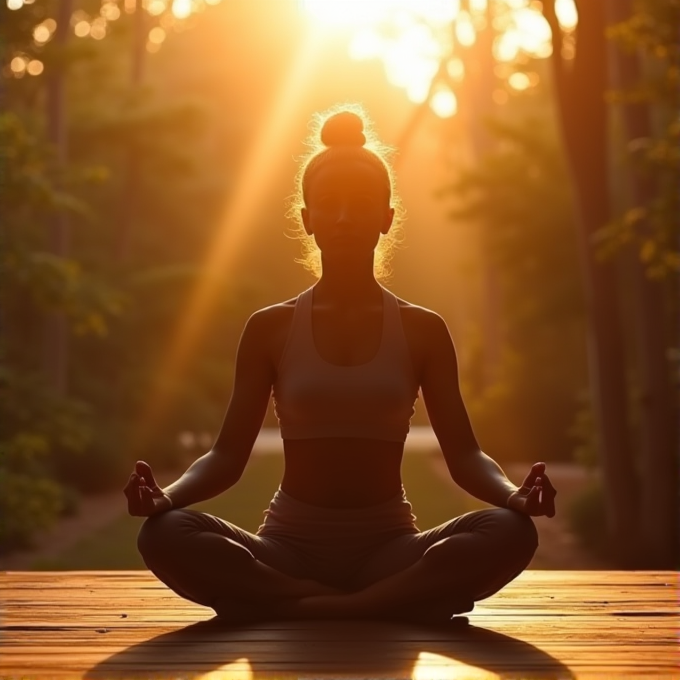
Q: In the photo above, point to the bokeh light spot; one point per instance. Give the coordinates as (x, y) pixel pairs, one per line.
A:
(181, 8)
(82, 28)
(519, 81)
(157, 35)
(18, 65)
(156, 7)
(41, 34)
(110, 11)
(35, 67)
(444, 103)
(567, 14)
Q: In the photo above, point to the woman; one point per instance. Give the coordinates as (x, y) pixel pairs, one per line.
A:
(344, 360)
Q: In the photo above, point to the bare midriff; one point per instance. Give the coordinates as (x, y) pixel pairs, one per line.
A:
(342, 472)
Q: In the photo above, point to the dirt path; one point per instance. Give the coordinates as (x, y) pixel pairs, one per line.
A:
(95, 513)
(558, 548)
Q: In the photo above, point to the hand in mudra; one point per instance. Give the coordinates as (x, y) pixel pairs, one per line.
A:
(536, 496)
(144, 496)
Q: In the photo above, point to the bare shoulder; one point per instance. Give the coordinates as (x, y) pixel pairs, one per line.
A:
(268, 317)
(423, 327)
(271, 325)
(420, 319)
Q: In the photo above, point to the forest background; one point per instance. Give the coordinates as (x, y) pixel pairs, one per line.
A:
(149, 149)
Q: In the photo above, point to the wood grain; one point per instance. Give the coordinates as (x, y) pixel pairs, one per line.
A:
(545, 624)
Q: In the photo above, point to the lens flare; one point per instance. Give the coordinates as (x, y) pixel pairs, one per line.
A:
(224, 252)
(413, 37)
(444, 103)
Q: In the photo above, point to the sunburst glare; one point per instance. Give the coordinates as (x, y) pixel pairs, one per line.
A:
(413, 37)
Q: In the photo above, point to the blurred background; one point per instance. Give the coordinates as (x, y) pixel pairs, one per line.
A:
(149, 149)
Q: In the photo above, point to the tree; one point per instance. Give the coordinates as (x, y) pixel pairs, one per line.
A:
(579, 93)
(56, 331)
(519, 191)
(657, 425)
(640, 491)
(38, 421)
(115, 317)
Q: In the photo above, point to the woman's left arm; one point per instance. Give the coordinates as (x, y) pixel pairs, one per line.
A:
(469, 466)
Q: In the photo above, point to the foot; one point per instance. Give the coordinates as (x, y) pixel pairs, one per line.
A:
(333, 606)
(348, 607)
(435, 612)
(232, 611)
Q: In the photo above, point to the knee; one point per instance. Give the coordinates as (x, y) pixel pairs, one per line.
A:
(157, 532)
(519, 530)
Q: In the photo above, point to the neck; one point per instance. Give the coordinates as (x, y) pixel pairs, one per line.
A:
(347, 286)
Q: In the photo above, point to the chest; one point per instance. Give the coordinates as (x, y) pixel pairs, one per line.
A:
(351, 339)
(347, 339)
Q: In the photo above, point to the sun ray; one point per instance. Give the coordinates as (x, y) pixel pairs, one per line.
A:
(229, 240)
(413, 37)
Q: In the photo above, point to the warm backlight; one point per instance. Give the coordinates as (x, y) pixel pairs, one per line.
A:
(413, 38)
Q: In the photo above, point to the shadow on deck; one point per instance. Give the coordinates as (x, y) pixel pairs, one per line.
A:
(545, 624)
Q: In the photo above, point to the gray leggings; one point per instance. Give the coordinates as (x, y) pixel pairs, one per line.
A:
(345, 548)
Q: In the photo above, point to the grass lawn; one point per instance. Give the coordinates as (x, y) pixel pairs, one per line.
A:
(434, 501)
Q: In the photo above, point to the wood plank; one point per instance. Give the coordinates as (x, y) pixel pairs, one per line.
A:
(545, 624)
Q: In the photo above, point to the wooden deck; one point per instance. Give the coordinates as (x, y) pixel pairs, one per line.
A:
(546, 624)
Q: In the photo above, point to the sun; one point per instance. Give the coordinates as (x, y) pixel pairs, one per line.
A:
(414, 38)
(367, 12)
(342, 14)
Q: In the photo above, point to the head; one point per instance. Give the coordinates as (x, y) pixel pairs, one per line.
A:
(345, 186)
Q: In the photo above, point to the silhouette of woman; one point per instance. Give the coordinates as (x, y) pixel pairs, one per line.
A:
(344, 361)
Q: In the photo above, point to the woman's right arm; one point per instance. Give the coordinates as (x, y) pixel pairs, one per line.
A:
(220, 468)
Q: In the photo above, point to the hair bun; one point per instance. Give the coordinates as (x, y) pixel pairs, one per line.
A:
(343, 129)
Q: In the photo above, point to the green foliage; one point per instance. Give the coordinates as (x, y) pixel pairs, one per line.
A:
(518, 197)
(27, 505)
(39, 429)
(140, 202)
(653, 227)
(34, 192)
(29, 499)
(586, 517)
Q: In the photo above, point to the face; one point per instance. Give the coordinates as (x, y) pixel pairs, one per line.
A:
(347, 208)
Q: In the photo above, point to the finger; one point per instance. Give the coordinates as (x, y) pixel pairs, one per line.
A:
(548, 496)
(548, 502)
(536, 470)
(134, 496)
(148, 505)
(129, 484)
(547, 484)
(534, 501)
(144, 470)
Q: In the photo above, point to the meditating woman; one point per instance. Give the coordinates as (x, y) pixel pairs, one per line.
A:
(344, 361)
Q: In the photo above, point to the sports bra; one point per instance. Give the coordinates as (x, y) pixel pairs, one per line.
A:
(374, 400)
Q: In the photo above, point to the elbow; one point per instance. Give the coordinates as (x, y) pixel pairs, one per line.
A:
(230, 467)
(461, 461)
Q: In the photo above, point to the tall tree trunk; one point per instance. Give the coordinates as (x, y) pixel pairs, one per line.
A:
(132, 173)
(659, 464)
(477, 107)
(583, 118)
(56, 329)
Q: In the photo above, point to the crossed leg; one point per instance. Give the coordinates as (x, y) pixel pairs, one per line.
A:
(439, 572)
(426, 576)
(214, 563)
